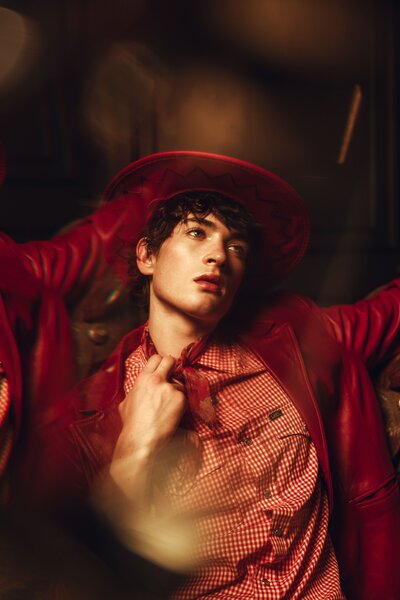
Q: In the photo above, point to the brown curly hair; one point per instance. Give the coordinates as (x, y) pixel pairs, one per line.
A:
(166, 215)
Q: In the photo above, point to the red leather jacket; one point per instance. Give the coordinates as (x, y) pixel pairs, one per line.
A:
(38, 283)
(320, 357)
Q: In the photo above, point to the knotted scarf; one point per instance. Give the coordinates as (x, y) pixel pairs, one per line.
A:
(196, 386)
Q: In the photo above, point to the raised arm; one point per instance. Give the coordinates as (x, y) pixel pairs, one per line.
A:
(370, 327)
(37, 352)
(68, 261)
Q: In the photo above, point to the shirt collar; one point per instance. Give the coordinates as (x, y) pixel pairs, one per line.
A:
(211, 353)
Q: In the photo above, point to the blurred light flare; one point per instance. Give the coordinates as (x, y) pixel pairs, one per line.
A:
(296, 34)
(211, 113)
(175, 529)
(350, 124)
(19, 47)
(118, 104)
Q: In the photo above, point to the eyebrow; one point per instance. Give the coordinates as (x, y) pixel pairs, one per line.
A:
(200, 221)
(211, 225)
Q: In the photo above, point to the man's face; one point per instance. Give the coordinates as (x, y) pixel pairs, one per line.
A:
(197, 270)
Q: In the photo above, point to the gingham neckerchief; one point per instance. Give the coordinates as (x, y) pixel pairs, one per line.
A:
(196, 385)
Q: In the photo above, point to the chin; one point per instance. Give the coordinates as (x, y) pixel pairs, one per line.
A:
(211, 316)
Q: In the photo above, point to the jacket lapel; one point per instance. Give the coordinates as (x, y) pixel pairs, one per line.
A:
(96, 422)
(277, 347)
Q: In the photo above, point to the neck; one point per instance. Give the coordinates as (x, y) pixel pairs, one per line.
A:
(172, 333)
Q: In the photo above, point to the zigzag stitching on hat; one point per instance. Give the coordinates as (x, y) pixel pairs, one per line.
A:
(247, 189)
(126, 190)
(239, 189)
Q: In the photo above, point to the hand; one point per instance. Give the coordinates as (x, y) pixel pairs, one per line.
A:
(152, 410)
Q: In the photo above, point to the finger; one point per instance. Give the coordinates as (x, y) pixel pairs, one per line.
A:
(152, 363)
(165, 367)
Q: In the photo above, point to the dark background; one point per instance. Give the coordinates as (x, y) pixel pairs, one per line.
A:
(88, 86)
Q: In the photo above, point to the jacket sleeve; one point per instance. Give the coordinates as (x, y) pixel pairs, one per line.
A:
(370, 327)
(68, 261)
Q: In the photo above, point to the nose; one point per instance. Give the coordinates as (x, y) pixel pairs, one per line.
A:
(215, 255)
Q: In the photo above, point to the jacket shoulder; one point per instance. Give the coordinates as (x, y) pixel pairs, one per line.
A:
(292, 308)
(304, 318)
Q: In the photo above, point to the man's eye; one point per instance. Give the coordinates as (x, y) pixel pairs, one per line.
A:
(239, 249)
(195, 232)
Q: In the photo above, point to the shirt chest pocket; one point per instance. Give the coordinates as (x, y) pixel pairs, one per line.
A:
(277, 423)
(273, 442)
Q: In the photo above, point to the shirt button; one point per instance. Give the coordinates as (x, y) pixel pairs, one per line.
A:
(267, 494)
(247, 441)
(277, 531)
(266, 581)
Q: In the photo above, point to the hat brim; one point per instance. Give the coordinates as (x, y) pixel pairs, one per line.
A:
(275, 204)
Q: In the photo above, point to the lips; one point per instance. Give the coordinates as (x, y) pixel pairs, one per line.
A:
(209, 282)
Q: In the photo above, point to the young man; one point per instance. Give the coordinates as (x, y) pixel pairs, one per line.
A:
(281, 426)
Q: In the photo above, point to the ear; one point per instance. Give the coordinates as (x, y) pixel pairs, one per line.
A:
(144, 258)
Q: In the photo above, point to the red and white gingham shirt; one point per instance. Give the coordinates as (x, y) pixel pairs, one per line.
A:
(261, 510)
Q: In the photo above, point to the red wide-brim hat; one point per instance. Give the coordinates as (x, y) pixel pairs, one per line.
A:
(275, 204)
